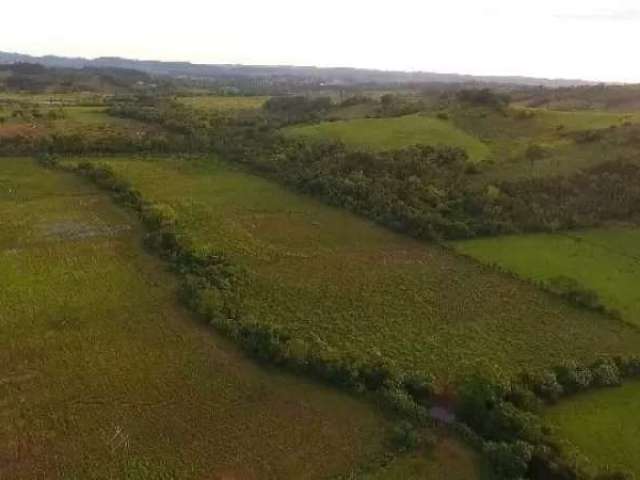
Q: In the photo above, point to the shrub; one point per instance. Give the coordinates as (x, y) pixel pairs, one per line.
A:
(574, 378)
(405, 436)
(606, 373)
(570, 289)
(157, 216)
(510, 460)
(548, 387)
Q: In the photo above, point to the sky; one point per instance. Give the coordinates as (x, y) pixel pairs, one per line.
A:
(586, 39)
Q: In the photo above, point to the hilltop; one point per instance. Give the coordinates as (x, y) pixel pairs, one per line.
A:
(308, 74)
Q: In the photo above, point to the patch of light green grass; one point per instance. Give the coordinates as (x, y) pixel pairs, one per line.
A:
(393, 133)
(604, 260)
(603, 425)
(224, 103)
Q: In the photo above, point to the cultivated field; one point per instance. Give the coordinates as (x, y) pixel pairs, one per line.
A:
(603, 425)
(328, 276)
(605, 260)
(103, 376)
(392, 133)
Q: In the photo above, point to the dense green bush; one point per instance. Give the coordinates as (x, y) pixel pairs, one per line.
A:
(510, 460)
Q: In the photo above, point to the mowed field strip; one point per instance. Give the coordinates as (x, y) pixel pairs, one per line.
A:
(326, 275)
(103, 375)
(603, 425)
(606, 260)
(393, 133)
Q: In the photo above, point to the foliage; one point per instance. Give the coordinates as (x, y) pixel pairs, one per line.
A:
(510, 460)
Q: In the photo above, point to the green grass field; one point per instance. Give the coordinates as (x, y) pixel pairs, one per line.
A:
(326, 274)
(224, 104)
(603, 425)
(392, 133)
(605, 260)
(103, 376)
(508, 135)
(449, 460)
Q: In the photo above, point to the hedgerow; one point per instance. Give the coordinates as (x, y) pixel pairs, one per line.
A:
(500, 418)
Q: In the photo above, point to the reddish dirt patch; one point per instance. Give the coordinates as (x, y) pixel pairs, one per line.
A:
(20, 129)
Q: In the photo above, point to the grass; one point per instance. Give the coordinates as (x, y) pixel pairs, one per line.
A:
(224, 103)
(329, 276)
(605, 260)
(104, 376)
(508, 134)
(449, 460)
(49, 99)
(82, 119)
(603, 425)
(392, 133)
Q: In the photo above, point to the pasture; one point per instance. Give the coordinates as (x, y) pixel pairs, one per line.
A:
(604, 260)
(225, 104)
(509, 134)
(328, 276)
(104, 376)
(392, 133)
(602, 425)
(448, 460)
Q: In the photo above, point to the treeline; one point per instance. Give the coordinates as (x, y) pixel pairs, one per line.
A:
(506, 417)
(426, 192)
(92, 141)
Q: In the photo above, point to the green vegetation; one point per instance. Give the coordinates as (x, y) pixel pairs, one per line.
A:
(602, 425)
(606, 261)
(449, 460)
(308, 287)
(226, 104)
(392, 133)
(508, 134)
(364, 288)
(104, 376)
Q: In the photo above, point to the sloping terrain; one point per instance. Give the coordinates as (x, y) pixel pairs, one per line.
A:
(392, 133)
(329, 276)
(103, 375)
(604, 260)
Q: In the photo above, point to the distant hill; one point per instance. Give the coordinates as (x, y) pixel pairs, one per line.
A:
(330, 76)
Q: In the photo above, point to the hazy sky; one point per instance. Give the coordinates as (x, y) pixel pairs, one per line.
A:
(589, 39)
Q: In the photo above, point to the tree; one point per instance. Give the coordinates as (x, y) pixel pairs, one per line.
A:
(510, 460)
(534, 153)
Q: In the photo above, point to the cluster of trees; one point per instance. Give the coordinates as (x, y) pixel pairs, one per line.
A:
(505, 416)
(92, 141)
(483, 98)
(427, 192)
(297, 109)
